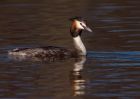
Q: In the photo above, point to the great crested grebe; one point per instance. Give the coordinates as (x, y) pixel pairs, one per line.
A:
(77, 26)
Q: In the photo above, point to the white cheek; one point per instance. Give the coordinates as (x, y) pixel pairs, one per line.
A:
(78, 25)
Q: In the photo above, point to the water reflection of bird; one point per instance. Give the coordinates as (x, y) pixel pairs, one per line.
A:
(77, 26)
(77, 80)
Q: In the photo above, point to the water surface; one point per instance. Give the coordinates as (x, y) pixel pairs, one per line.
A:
(111, 69)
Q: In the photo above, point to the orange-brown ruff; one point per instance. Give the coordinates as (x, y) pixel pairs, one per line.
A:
(76, 29)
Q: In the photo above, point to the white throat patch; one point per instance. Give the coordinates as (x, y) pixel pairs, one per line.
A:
(79, 45)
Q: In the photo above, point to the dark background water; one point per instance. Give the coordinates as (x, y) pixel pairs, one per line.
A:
(111, 70)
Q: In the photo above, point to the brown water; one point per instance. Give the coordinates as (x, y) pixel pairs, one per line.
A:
(111, 69)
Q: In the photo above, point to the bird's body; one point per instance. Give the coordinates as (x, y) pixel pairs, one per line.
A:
(41, 52)
(51, 51)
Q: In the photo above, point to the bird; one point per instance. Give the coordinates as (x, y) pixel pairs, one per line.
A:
(78, 24)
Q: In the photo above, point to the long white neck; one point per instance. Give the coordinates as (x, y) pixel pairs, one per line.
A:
(79, 45)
